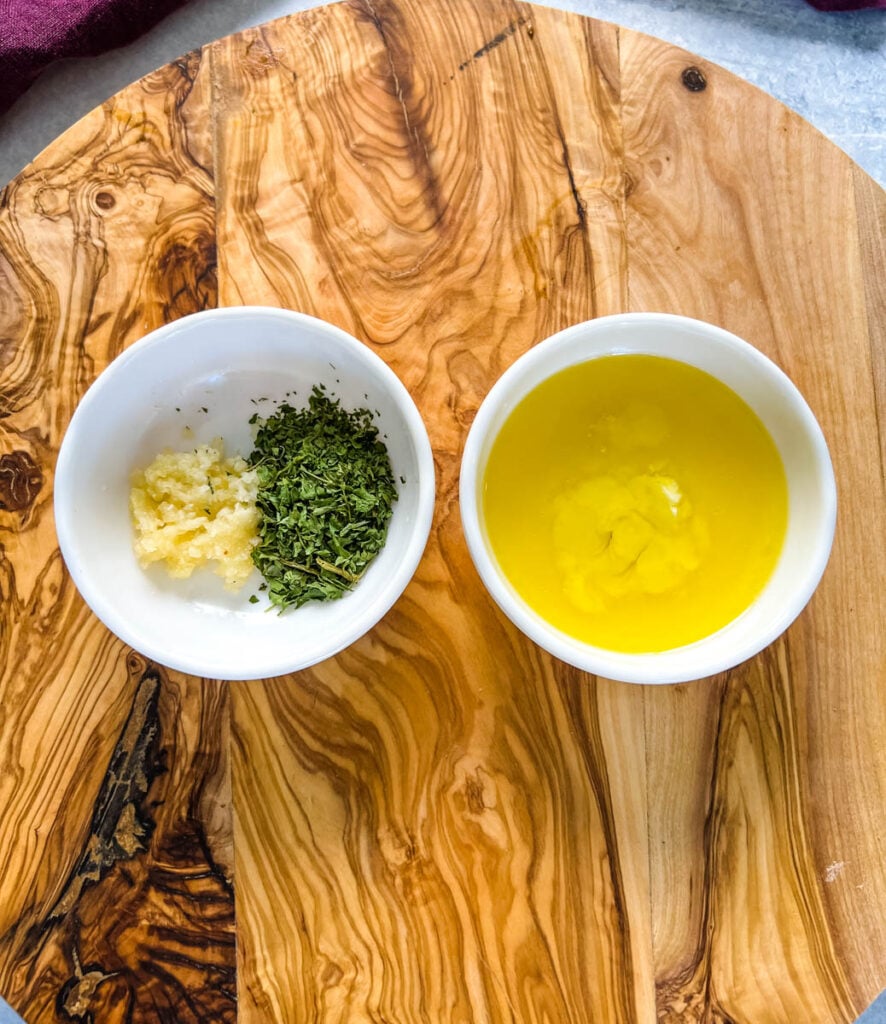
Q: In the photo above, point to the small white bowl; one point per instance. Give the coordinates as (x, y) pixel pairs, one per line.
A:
(207, 372)
(812, 497)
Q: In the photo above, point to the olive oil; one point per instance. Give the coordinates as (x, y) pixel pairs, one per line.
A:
(636, 503)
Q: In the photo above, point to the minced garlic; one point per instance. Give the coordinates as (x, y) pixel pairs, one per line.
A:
(193, 508)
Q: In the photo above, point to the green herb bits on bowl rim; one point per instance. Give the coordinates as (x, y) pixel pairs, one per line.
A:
(345, 489)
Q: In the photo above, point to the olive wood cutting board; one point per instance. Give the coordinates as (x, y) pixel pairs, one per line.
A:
(442, 823)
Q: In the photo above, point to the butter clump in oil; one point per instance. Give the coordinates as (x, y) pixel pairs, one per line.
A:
(196, 508)
(618, 538)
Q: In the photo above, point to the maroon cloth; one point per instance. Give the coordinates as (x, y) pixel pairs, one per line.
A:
(845, 5)
(34, 33)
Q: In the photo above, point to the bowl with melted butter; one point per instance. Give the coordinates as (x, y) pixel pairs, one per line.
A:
(648, 497)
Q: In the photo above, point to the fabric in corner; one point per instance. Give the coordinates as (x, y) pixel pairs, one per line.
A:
(34, 33)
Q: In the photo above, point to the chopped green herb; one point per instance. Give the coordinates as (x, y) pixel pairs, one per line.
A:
(253, 599)
(325, 494)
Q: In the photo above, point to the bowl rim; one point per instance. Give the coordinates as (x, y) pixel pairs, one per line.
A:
(664, 667)
(199, 665)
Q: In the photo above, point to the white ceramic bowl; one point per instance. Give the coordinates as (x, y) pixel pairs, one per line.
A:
(811, 490)
(220, 361)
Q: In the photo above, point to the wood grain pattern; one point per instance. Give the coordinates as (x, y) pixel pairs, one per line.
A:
(115, 832)
(441, 824)
(703, 243)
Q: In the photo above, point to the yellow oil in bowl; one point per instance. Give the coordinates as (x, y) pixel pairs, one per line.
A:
(634, 502)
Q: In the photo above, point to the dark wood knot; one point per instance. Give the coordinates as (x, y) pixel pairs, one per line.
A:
(20, 481)
(694, 79)
(105, 201)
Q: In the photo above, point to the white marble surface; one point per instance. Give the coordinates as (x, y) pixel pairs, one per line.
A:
(831, 68)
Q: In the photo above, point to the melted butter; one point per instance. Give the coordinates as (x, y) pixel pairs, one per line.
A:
(635, 502)
(611, 539)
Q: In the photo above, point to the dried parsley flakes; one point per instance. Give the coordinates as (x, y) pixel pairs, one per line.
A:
(325, 493)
